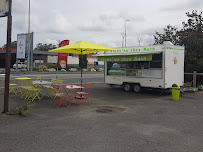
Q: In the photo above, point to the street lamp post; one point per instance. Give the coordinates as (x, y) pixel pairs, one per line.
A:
(139, 40)
(125, 31)
(123, 37)
(29, 36)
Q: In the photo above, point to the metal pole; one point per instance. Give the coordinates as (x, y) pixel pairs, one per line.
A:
(57, 62)
(125, 31)
(123, 36)
(81, 66)
(16, 64)
(139, 40)
(28, 58)
(31, 63)
(194, 78)
(8, 60)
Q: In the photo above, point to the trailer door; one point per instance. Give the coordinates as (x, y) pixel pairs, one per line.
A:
(174, 66)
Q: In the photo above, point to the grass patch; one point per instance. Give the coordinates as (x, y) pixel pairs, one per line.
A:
(22, 111)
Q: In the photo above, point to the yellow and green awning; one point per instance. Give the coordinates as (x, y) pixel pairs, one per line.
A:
(126, 58)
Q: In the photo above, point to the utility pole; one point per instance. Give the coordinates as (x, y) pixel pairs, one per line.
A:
(8, 59)
(125, 31)
(31, 52)
(123, 37)
(29, 37)
(139, 40)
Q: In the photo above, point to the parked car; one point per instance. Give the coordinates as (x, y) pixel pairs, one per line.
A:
(73, 69)
(20, 65)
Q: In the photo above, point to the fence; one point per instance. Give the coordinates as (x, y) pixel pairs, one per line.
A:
(195, 74)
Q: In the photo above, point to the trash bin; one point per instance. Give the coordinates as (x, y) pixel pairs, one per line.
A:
(175, 92)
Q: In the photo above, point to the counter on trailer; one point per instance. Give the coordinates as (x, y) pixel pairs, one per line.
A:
(156, 66)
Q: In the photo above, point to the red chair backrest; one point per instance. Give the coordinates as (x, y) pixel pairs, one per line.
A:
(56, 88)
(87, 87)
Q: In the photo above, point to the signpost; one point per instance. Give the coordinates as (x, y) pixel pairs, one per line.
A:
(5, 10)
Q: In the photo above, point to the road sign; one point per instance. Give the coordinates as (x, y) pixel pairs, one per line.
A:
(21, 46)
(4, 8)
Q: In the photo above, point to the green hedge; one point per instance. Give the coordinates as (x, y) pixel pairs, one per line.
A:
(51, 65)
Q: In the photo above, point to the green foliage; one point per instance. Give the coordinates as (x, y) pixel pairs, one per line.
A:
(191, 36)
(187, 84)
(169, 35)
(43, 67)
(22, 111)
(45, 47)
(83, 61)
(23, 67)
(35, 68)
(13, 44)
(200, 87)
(51, 65)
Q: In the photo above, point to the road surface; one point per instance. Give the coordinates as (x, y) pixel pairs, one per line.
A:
(68, 78)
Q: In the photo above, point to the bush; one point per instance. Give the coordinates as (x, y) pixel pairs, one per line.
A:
(51, 65)
(22, 111)
(35, 68)
(23, 67)
(43, 67)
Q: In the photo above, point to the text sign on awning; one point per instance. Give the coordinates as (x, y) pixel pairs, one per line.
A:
(126, 58)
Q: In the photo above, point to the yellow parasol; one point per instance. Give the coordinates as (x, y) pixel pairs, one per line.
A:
(82, 47)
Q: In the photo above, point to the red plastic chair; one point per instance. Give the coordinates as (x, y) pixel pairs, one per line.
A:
(61, 96)
(84, 94)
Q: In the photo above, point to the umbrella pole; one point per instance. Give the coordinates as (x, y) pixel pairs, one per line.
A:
(81, 68)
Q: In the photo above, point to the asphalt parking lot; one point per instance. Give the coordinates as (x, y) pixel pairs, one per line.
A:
(115, 121)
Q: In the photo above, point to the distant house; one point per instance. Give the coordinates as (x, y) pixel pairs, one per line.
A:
(37, 56)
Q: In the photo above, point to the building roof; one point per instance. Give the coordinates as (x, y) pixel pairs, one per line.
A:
(37, 52)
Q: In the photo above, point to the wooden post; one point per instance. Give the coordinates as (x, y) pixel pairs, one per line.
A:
(8, 60)
(194, 79)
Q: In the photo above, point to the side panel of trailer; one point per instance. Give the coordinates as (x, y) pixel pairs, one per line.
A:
(174, 66)
(157, 66)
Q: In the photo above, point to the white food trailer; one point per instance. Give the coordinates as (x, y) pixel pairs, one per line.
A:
(154, 66)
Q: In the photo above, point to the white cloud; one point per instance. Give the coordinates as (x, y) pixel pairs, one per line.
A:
(54, 22)
(98, 22)
(106, 21)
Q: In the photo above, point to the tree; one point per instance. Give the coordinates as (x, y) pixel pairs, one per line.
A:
(83, 61)
(13, 44)
(45, 47)
(169, 35)
(191, 36)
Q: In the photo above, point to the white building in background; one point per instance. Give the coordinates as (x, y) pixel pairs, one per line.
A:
(74, 60)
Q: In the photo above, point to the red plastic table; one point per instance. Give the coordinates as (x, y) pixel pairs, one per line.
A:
(71, 92)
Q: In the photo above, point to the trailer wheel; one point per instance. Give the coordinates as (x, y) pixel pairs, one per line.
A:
(137, 88)
(127, 87)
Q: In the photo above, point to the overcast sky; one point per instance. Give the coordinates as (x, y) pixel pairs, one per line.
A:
(96, 21)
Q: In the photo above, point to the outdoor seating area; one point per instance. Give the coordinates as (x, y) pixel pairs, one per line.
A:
(60, 94)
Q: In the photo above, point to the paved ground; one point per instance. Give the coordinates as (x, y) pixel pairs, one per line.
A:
(146, 122)
(67, 77)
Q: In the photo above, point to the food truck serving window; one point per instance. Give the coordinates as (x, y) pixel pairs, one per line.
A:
(135, 68)
(156, 61)
(114, 68)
